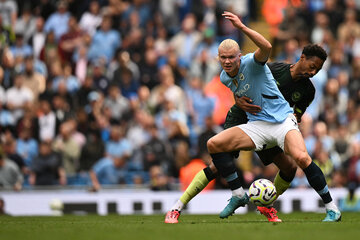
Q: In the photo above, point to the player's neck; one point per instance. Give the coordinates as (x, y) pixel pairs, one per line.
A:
(293, 71)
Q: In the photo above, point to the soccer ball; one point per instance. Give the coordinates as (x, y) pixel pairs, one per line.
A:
(262, 192)
(56, 206)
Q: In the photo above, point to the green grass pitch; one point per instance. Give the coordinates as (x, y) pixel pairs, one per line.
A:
(304, 226)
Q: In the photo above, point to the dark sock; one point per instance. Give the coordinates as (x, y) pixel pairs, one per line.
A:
(317, 181)
(209, 174)
(226, 168)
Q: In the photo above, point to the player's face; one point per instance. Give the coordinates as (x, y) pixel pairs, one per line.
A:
(230, 60)
(309, 66)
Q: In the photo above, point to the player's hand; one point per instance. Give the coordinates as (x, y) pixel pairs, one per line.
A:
(245, 103)
(235, 20)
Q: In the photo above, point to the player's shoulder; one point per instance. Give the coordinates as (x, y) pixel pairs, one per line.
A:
(224, 77)
(278, 66)
(310, 85)
(247, 57)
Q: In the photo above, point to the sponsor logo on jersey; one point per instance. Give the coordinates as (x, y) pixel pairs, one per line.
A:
(242, 91)
(296, 96)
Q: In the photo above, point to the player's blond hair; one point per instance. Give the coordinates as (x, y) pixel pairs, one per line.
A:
(228, 44)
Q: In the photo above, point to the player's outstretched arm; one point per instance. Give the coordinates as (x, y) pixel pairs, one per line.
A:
(261, 54)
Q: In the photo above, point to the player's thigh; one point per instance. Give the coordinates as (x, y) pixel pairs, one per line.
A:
(295, 147)
(229, 140)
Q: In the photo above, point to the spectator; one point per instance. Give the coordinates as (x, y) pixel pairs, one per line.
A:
(7, 120)
(156, 151)
(349, 28)
(38, 38)
(101, 82)
(8, 13)
(62, 109)
(35, 81)
(27, 146)
(117, 103)
(9, 147)
(47, 167)
(83, 92)
(45, 8)
(159, 181)
(128, 85)
(108, 170)
(19, 97)
(58, 21)
(122, 61)
(167, 90)
(92, 151)
(7, 36)
(81, 65)
(205, 64)
(321, 27)
(104, 42)
(91, 19)
(26, 24)
(70, 82)
(21, 49)
(200, 105)
(71, 40)
(49, 52)
(69, 150)
(186, 41)
(10, 175)
(46, 124)
(118, 145)
(148, 70)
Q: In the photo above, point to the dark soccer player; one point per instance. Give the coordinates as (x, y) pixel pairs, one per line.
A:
(294, 83)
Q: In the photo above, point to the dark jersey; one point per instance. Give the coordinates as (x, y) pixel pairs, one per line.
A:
(299, 93)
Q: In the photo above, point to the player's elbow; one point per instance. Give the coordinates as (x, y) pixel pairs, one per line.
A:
(267, 47)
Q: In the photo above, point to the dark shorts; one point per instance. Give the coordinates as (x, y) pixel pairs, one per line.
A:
(237, 116)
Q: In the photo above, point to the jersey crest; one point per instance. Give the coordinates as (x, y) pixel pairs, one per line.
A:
(241, 77)
(296, 96)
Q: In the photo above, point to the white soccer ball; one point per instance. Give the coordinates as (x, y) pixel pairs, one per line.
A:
(57, 207)
(262, 192)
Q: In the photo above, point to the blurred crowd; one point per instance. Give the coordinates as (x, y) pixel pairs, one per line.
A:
(101, 92)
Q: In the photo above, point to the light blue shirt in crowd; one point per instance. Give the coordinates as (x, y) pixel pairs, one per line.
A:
(72, 83)
(58, 23)
(255, 81)
(104, 45)
(118, 148)
(27, 149)
(106, 172)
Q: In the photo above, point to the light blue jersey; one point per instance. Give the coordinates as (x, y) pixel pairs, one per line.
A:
(255, 81)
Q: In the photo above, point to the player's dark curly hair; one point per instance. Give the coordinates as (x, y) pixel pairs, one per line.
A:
(314, 50)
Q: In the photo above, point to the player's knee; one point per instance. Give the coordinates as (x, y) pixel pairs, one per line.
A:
(213, 145)
(302, 159)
